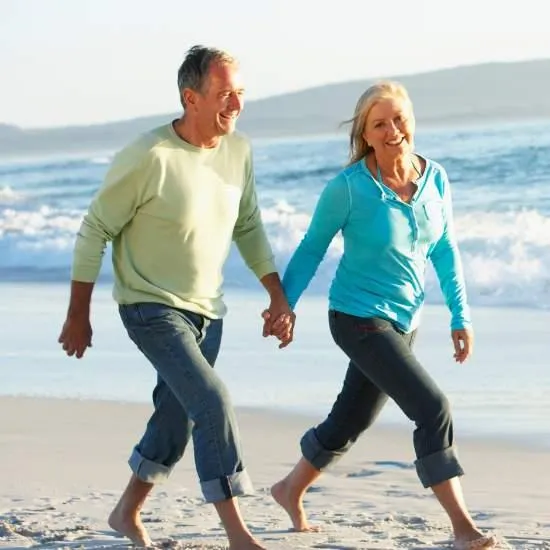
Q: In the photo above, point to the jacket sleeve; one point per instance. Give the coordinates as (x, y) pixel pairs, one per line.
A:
(329, 217)
(445, 257)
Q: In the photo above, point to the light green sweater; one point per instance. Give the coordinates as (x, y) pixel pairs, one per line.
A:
(172, 210)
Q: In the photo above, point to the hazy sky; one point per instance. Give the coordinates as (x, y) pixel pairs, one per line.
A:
(82, 61)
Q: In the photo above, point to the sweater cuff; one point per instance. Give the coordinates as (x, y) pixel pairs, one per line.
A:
(263, 268)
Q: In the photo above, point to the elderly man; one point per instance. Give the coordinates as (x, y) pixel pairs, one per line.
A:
(172, 203)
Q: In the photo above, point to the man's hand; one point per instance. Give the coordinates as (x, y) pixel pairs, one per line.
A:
(278, 317)
(463, 342)
(279, 321)
(76, 335)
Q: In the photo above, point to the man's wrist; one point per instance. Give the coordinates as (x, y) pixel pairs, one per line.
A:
(274, 287)
(79, 311)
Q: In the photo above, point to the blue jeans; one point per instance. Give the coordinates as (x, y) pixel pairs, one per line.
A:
(383, 365)
(190, 400)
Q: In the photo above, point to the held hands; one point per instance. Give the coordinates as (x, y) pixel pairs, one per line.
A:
(279, 321)
(463, 341)
(76, 335)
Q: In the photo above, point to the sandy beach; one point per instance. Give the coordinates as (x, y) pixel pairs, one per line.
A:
(63, 465)
(63, 452)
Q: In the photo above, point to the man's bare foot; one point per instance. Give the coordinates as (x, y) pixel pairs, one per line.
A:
(293, 506)
(130, 526)
(475, 540)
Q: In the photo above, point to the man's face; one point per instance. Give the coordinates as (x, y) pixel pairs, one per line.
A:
(218, 105)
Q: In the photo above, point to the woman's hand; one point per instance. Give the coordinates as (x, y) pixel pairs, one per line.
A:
(463, 341)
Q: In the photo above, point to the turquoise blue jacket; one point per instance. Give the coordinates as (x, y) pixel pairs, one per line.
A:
(387, 245)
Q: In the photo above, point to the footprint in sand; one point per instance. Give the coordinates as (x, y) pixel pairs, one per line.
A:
(482, 516)
(364, 473)
(384, 465)
(392, 464)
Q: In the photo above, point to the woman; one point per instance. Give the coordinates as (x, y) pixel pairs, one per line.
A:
(393, 208)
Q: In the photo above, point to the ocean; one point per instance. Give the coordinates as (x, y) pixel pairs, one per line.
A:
(500, 177)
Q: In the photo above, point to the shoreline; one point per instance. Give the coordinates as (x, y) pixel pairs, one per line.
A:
(499, 395)
(388, 427)
(286, 416)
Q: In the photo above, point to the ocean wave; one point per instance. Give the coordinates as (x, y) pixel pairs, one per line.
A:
(319, 174)
(22, 168)
(8, 195)
(501, 203)
(506, 256)
(101, 160)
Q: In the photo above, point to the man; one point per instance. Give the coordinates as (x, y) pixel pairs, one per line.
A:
(172, 203)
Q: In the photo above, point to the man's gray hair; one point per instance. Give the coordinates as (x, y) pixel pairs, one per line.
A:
(194, 69)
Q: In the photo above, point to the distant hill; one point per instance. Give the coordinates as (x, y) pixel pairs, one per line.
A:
(464, 95)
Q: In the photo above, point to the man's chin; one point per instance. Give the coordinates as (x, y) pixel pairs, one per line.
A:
(227, 127)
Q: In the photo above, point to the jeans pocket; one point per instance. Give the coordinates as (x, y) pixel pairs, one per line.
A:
(372, 325)
(412, 338)
(333, 326)
(129, 314)
(147, 315)
(167, 319)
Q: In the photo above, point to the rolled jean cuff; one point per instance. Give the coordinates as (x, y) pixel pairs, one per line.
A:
(226, 487)
(319, 457)
(438, 467)
(147, 470)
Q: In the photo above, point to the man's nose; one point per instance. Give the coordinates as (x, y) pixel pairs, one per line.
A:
(235, 102)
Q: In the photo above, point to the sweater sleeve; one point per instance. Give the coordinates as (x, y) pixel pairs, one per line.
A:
(114, 205)
(249, 234)
(446, 260)
(329, 217)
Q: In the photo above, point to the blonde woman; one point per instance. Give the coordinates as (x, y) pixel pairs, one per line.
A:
(393, 209)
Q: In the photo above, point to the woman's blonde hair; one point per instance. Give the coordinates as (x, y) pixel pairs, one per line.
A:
(385, 89)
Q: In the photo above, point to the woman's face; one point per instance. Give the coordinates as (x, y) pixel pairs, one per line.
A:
(389, 127)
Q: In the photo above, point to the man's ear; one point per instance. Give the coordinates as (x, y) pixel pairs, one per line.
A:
(189, 97)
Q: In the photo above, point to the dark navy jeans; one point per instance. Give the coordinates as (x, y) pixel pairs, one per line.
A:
(189, 398)
(383, 365)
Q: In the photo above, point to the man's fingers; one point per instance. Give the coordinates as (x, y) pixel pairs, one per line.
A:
(277, 327)
(266, 316)
(71, 348)
(280, 325)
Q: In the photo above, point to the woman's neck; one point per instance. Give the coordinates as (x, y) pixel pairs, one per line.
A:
(400, 168)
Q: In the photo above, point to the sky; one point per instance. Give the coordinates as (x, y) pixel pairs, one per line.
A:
(67, 62)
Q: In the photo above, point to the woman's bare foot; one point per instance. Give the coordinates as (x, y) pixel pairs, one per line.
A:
(249, 543)
(473, 540)
(130, 526)
(292, 504)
